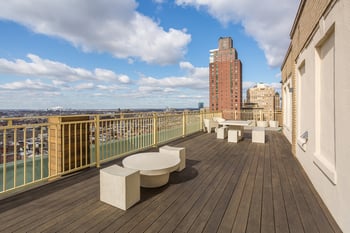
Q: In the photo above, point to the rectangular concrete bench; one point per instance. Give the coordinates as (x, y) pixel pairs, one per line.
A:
(210, 124)
(221, 133)
(273, 124)
(258, 135)
(180, 151)
(119, 187)
(233, 136)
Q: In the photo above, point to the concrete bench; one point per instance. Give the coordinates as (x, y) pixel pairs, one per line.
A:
(119, 187)
(154, 167)
(221, 133)
(210, 124)
(273, 124)
(233, 136)
(180, 151)
(263, 124)
(258, 135)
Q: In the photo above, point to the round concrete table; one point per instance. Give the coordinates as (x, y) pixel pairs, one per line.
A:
(154, 167)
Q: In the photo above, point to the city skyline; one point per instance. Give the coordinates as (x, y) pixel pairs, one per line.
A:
(131, 54)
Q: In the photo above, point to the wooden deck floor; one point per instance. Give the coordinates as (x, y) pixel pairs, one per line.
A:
(225, 187)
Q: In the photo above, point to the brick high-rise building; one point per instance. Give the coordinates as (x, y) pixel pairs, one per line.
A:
(225, 77)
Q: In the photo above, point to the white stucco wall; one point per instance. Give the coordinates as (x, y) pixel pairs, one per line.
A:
(287, 90)
(328, 169)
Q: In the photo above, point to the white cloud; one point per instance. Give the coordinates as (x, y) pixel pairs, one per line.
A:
(277, 86)
(278, 75)
(28, 84)
(111, 26)
(248, 84)
(196, 78)
(84, 86)
(268, 22)
(191, 97)
(108, 75)
(60, 72)
(109, 87)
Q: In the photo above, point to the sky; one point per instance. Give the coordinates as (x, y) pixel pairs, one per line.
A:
(129, 54)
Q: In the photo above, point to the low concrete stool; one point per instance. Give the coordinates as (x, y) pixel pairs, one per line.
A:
(233, 136)
(180, 151)
(258, 135)
(273, 124)
(119, 187)
(262, 124)
(221, 133)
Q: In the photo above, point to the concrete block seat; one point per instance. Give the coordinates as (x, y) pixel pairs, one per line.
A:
(263, 124)
(273, 124)
(233, 136)
(179, 151)
(210, 124)
(119, 187)
(221, 133)
(154, 167)
(258, 135)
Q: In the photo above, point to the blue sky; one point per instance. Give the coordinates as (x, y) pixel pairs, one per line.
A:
(132, 54)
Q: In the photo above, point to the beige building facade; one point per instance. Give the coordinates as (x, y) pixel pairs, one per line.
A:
(263, 95)
(316, 100)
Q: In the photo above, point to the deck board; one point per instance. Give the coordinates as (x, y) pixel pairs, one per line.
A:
(219, 211)
(226, 187)
(267, 217)
(254, 220)
(280, 213)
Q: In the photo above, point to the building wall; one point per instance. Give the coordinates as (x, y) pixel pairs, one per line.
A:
(304, 26)
(263, 95)
(307, 19)
(287, 93)
(225, 77)
(320, 54)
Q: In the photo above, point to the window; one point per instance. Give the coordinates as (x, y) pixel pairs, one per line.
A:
(325, 156)
(287, 103)
(302, 107)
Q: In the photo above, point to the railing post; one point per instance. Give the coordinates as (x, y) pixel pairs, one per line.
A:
(184, 122)
(201, 113)
(9, 123)
(4, 178)
(55, 146)
(155, 129)
(97, 140)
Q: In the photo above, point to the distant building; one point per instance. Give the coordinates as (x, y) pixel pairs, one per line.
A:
(200, 105)
(225, 77)
(263, 96)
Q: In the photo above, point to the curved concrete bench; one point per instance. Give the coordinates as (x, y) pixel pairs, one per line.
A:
(179, 151)
(154, 167)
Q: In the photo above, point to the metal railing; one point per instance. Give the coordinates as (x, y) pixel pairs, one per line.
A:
(36, 149)
(257, 115)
